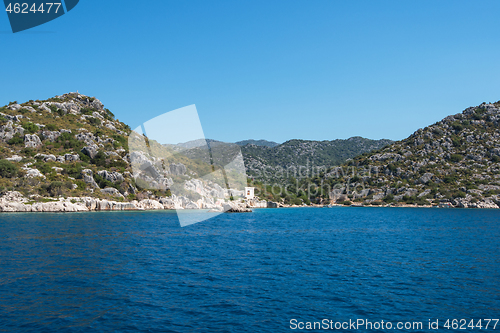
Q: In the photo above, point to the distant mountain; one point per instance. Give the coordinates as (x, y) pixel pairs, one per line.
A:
(199, 143)
(267, 162)
(262, 143)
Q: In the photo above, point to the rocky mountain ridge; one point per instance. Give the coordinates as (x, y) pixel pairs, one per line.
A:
(452, 163)
(268, 163)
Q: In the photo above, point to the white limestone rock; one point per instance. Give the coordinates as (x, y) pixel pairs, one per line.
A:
(112, 191)
(15, 158)
(32, 141)
(149, 204)
(88, 178)
(113, 177)
(33, 173)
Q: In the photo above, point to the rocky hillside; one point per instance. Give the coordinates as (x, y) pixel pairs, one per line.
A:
(69, 145)
(69, 153)
(267, 163)
(454, 162)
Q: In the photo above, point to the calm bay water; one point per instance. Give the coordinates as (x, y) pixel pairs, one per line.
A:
(141, 272)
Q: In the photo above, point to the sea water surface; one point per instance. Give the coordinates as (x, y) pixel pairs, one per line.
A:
(252, 272)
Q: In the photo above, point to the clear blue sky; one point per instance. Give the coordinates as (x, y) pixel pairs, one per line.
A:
(275, 70)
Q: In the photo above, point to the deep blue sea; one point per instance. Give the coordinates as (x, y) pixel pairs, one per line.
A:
(253, 272)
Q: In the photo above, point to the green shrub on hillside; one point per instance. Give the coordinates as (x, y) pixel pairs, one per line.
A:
(457, 126)
(119, 164)
(438, 132)
(8, 169)
(55, 99)
(109, 115)
(69, 141)
(120, 141)
(16, 140)
(94, 121)
(81, 185)
(87, 111)
(30, 127)
(28, 152)
(456, 158)
(477, 116)
(389, 198)
(74, 170)
(457, 142)
(51, 127)
(415, 200)
(55, 188)
(450, 179)
(99, 159)
(53, 108)
(83, 157)
(44, 168)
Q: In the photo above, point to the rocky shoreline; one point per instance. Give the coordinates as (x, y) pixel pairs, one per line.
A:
(15, 202)
(481, 205)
